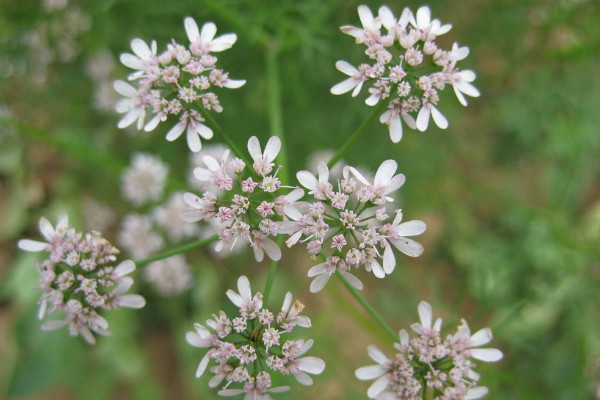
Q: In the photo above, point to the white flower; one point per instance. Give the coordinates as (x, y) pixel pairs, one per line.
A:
(319, 188)
(461, 82)
(244, 300)
(371, 25)
(171, 276)
(431, 28)
(145, 56)
(254, 393)
(355, 81)
(426, 317)
(394, 121)
(379, 372)
(138, 237)
(427, 110)
(290, 313)
(144, 180)
(396, 234)
(263, 161)
(322, 272)
(49, 232)
(193, 122)
(472, 342)
(205, 40)
(201, 338)
(133, 105)
(168, 217)
(301, 367)
(261, 244)
(385, 182)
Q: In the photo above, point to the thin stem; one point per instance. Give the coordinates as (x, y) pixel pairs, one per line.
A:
(275, 109)
(271, 276)
(178, 250)
(358, 133)
(370, 309)
(217, 128)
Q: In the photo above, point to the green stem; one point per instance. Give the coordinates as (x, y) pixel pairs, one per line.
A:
(370, 309)
(217, 128)
(275, 109)
(358, 133)
(178, 250)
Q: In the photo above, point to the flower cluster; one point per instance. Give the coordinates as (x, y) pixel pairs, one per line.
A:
(169, 277)
(248, 348)
(79, 279)
(245, 200)
(444, 366)
(145, 179)
(178, 82)
(350, 221)
(406, 67)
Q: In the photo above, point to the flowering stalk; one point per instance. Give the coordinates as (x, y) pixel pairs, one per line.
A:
(358, 133)
(178, 250)
(230, 143)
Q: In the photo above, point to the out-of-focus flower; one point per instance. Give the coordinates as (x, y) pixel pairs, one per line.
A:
(168, 218)
(445, 366)
(249, 347)
(144, 180)
(79, 278)
(350, 224)
(138, 237)
(170, 277)
(395, 68)
(176, 84)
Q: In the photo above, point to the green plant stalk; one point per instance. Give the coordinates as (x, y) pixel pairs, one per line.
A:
(275, 109)
(357, 134)
(368, 307)
(178, 250)
(217, 128)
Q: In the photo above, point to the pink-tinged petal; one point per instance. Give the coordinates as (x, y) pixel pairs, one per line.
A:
(356, 90)
(389, 261)
(209, 30)
(124, 268)
(443, 29)
(194, 339)
(279, 389)
(294, 195)
(425, 314)
(476, 393)
(131, 61)
(395, 129)
(287, 302)
(191, 199)
(63, 222)
(437, 325)
(372, 100)
(235, 298)
(124, 105)
(31, 245)
(410, 121)
(459, 53)
(153, 123)
(272, 250)
(53, 325)
(223, 42)
(481, 337)
(345, 86)
(404, 337)
(323, 171)
(385, 172)
(132, 301)
(369, 372)
(125, 283)
(468, 89)
(243, 285)
(46, 228)
(353, 31)
(487, 355)
(87, 335)
(211, 163)
(303, 378)
(439, 118)
(387, 17)
(467, 75)
(366, 17)
(293, 239)
(377, 270)
(230, 392)
(193, 140)
(312, 365)
(215, 381)
(316, 270)
(319, 283)
(191, 215)
(385, 117)
(307, 180)
(411, 228)
(346, 68)
(129, 118)
(423, 17)
(408, 247)
(377, 355)
(378, 386)
(234, 83)
(353, 280)
(202, 366)
(259, 253)
(191, 29)
(141, 49)
(423, 118)
(359, 176)
(461, 99)
(272, 148)
(254, 148)
(395, 183)
(202, 174)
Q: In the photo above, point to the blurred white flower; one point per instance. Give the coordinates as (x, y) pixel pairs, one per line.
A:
(145, 179)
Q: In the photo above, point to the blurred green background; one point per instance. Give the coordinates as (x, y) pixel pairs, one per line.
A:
(510, 192)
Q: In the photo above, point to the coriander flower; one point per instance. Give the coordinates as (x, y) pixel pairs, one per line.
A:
(139, 237)
(349, 224)
(145, 179)
(246, 349)
(79, 279)
(177, 84)
(169, 277)
(168, 217)
(249, 203)
(445, 366)
(397, 50)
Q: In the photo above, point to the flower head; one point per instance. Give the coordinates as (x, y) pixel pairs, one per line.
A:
(79, 279)
(248, 348)
(397, 49)
(144, 180)
(176, 83)
(445, 365)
